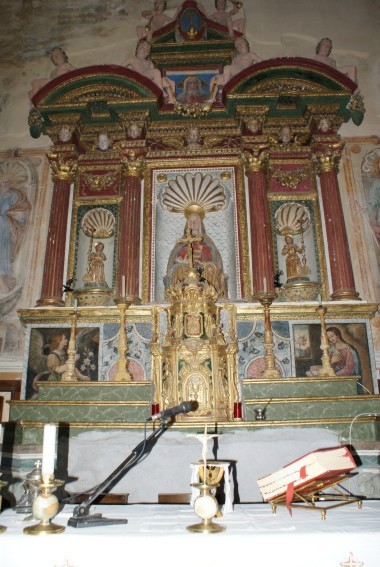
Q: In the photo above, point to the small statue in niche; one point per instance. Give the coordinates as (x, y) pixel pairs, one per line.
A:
(95, 270)
(294, 268)
(224, 18)
(242, 59)
(156, 20)
(322, 54)
(62, 66)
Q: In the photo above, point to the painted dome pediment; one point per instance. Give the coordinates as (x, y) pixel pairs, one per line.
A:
(113, 83)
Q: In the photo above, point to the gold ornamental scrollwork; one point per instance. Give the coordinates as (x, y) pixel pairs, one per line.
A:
(133, 166)
(99, 182)
(62, 168)
(257, 160)
(290, 179)
(327, 159)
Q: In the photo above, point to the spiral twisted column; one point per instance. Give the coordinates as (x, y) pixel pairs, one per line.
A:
(130, 226)
(342, 276)
(260, 235)
(63, 173)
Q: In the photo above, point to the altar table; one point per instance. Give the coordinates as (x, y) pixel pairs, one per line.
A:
(156, 536)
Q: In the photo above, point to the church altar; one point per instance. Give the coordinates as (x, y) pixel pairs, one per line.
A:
(157, 534)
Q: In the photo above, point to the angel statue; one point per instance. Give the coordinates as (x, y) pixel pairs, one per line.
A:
(156, 20)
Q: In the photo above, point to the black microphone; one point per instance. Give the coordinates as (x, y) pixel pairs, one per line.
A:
(185, 407)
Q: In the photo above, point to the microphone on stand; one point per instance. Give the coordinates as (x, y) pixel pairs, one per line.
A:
(185, 407)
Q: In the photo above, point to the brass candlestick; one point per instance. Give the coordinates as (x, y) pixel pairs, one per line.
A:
(45, 507)
(327, 369)
(69, 375)
(2, 528)
(266, 300)
(122, 374)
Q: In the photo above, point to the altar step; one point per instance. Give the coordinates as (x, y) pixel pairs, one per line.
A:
(290, 409)
(332, 402)
(83, 402)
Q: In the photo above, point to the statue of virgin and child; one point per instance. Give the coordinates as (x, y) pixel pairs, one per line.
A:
(196, 251)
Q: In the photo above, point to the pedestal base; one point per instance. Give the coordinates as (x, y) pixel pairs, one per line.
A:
(44, 529)
(206, 527)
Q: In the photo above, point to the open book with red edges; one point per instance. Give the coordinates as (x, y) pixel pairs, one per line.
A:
(323, 464)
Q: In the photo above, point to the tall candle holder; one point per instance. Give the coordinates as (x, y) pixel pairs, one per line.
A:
(2, 528)
(266, 300)
(45, 507)
(327, 369)
(122, 373)
(69, 375)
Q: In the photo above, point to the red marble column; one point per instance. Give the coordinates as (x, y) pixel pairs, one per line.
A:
(261, 242)
(130, 225)
(54, 267)
(342, 276)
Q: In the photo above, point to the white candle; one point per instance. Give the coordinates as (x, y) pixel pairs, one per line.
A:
(265, 285)
(122, 286)
(48, 449)
(319, 300)
(75, 303)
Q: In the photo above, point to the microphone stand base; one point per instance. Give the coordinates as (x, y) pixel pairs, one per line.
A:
(94, 520)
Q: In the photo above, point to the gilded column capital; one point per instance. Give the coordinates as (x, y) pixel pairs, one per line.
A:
(326, 159)
(63, 168)
(256, 160)
(132, 165)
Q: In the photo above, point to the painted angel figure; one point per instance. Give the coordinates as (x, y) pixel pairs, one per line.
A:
(48, 359)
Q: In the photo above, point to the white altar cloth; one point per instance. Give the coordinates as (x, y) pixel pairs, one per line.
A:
(156, 536)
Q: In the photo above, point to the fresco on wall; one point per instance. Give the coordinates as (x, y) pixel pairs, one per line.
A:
(370, 177)
(139, 336)
(251, 348)
(20, 257)
(48, 356)
(348, 351)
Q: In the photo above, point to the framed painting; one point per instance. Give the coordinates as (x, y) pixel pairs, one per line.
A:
(48, 356)
(348, 351)
(192, 85)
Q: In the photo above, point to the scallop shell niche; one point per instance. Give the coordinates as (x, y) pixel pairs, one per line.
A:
(98, 223)
(292, 218)
(205, 191)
